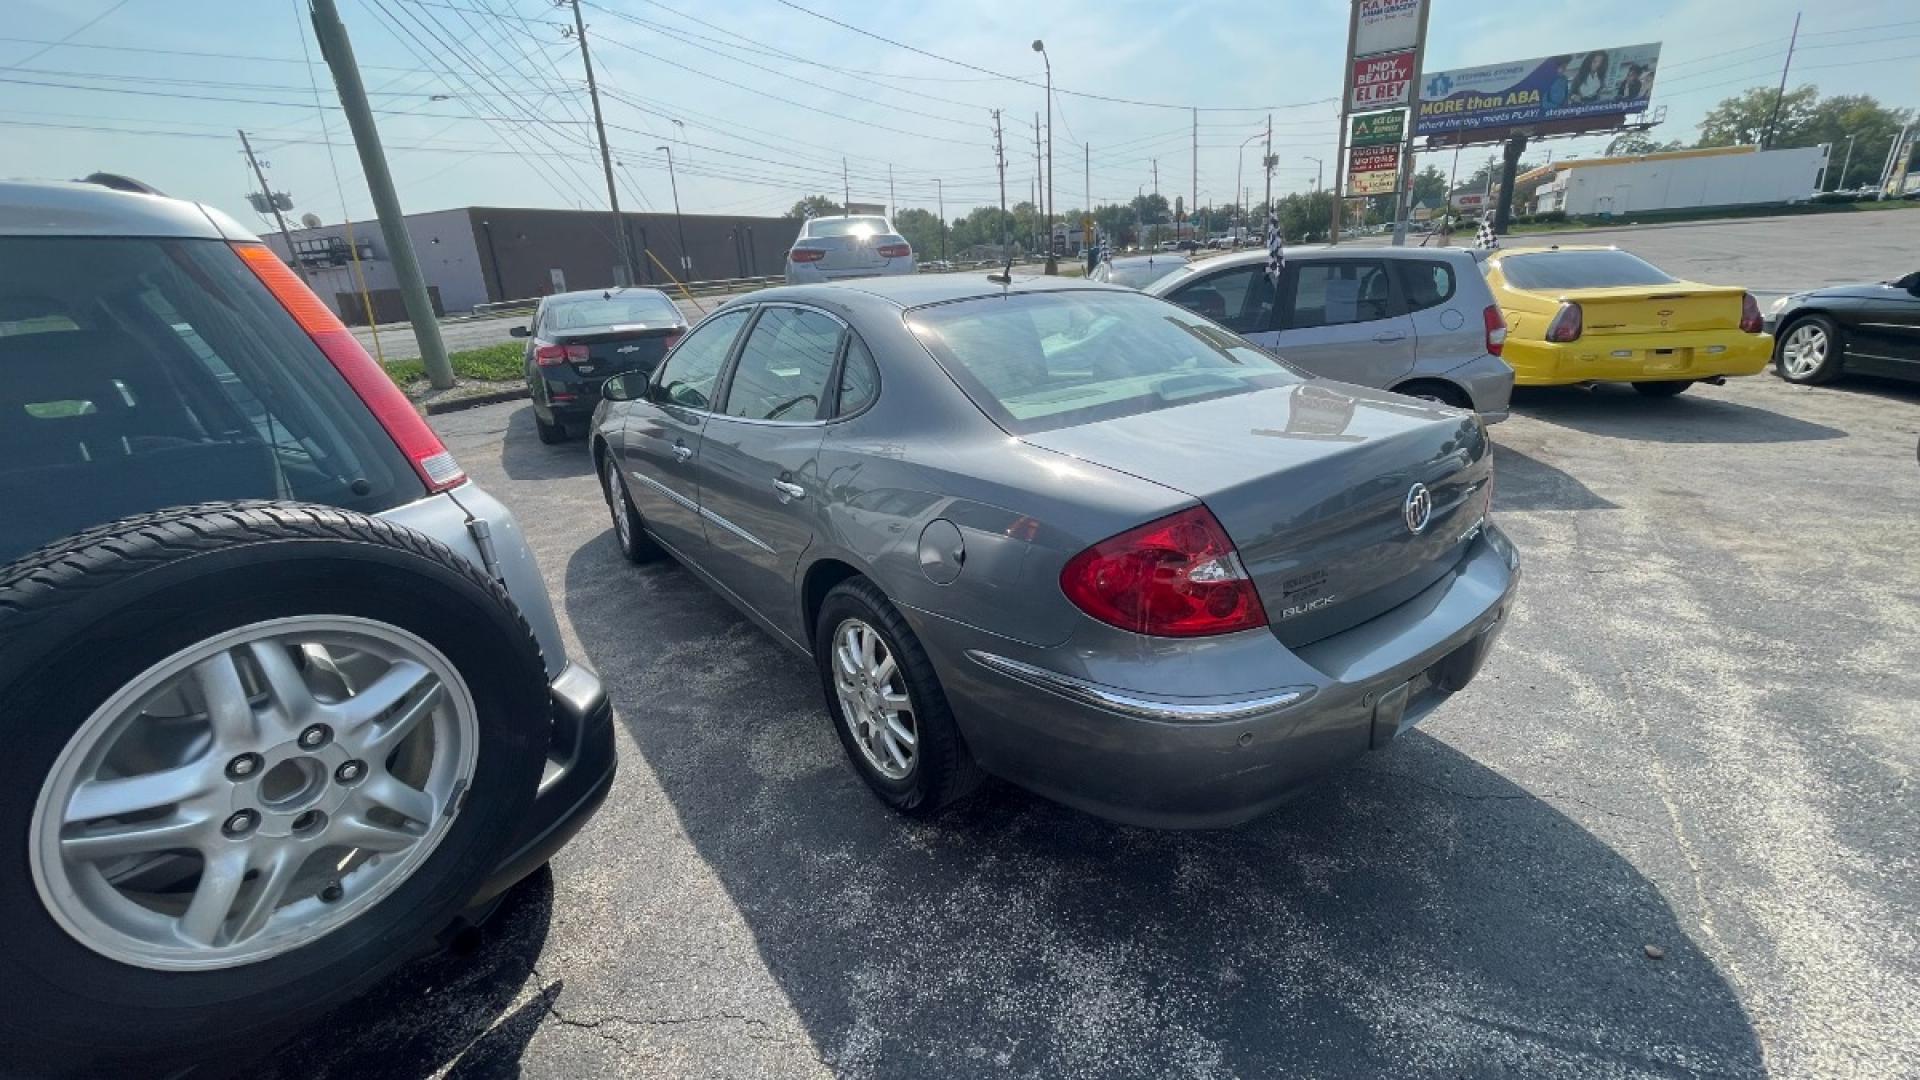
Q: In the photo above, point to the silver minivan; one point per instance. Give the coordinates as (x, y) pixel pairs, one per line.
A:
(1417, 321)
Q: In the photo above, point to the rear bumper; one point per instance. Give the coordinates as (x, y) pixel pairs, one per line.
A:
(1639, 358)
(579, 772)
(1133, 754)
(809, 274)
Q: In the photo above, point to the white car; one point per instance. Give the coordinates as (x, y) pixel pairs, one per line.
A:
(833, 248)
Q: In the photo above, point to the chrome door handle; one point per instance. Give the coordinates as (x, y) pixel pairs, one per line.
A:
(789, 491)
(682, 452)
(1390, 336)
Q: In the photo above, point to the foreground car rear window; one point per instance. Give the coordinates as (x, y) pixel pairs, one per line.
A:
(1044, 360)
(137, 374)
(1581, 270)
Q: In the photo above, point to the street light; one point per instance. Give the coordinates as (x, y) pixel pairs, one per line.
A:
(1240, 173)
(1844, 163)
(1040, 47)
(679, 225)
(1316, 169)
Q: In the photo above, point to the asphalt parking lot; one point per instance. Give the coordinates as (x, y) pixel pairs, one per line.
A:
(1696, 738)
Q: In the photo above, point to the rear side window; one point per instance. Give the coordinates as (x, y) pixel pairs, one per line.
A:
(1336, 293)
(784, 366)
(1426, 284)
(693, 370)
(859, 379)
(1240, 299)
(141, 373)
(1581, 270)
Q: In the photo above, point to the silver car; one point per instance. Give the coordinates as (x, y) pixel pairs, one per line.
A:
(1417, 321)
(283, 691)
(836, 248)
(1137, 271)
(1065, 534)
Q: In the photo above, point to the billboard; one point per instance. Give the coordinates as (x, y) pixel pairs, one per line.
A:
(1381, 82)
(1386, 26)
(1603, 84)
(1378, 129)
(1373, 170)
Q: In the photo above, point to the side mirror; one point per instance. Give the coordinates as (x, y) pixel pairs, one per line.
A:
(617, 389)
(519, 331)
(1911, 283)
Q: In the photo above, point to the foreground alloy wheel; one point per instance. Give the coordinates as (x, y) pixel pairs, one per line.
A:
(628, 531)
(1805, 352)
(887, 705)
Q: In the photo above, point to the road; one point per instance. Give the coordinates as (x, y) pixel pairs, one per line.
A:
(1697, 736)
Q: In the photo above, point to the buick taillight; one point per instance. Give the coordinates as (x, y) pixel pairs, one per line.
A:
(1749, 314)
(806, 255)
(1496, 324)
(1176, 577)
(1566, 324)
(898, 249)
(395, 414)
(549, 355)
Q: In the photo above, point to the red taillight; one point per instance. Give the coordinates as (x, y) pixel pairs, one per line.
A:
(1566, 324)
(1750, 314)
(895, 251)
(806, 255)
(549, 355)
(671, 340)
(1175, 577)
(383, 399)
(1496, 329)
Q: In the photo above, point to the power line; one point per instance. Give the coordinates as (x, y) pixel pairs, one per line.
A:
(71, 34)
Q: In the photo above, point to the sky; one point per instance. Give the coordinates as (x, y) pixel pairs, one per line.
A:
(483, 102)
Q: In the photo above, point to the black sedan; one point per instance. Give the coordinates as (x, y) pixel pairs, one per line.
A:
(1858, 329)
(579, 340)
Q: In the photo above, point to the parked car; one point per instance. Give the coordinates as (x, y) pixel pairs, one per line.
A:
(283, 692)
(1137, 271)
(836, 248)
(1415, 321)
(1065, 534)
(578, 340)
(1871, 329)
(1579, 314)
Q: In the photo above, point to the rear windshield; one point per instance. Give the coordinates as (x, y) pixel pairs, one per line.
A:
(848, 226)
(137, 374)
(593, 312)
(1139, 273)
(1581, 270)
(1043, 360)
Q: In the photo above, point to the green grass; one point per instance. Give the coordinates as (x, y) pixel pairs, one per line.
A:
(504, 362)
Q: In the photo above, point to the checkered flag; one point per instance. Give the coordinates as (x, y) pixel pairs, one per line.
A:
(1276, 257)
(1487, 238)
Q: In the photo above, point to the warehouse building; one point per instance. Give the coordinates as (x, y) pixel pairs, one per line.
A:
(1675, 180)
(488, 254)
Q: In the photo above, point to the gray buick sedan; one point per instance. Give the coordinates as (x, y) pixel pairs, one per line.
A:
(1066, 534)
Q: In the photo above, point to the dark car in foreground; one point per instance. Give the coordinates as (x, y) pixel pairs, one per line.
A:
(1867, 329)
(578, 340)
(1066, 534)
(282, 690)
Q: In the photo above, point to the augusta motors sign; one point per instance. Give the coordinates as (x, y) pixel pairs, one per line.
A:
(1380, 82)
(1373, 170)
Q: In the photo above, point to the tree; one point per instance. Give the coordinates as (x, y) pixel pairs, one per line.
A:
(1742, 120)
(1873, 128)
(1631, 143)
(1430, 186)
(814, 206)
(921, 229)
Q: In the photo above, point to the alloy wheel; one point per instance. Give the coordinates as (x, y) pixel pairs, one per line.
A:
(617, 501)
(1805, 350)
(247, 795)
(873, 699)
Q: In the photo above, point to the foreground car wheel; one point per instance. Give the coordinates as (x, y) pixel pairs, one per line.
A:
(1672, 388)
(258, 754)
(1806, 353)
(887, 705)
(635, 544)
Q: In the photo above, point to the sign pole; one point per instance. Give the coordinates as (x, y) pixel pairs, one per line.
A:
(1346, 103)
(1404, 200)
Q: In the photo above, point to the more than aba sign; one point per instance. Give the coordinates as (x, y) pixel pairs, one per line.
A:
(1601, 85)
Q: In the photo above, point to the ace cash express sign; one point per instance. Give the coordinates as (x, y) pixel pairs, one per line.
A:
(1381, 82)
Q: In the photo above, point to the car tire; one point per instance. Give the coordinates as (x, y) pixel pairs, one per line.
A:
(1807, 351)
(1665, 389)
(551, 432)
(86, 623)
(1444, 393)
(629, 532)
(940, 769)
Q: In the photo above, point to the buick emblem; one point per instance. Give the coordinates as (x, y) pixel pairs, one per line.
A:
(1418, 509)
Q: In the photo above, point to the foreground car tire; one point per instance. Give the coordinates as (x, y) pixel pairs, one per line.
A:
(628, 530)
(1807, 351)
(1673, 388)
(887, 705)
(258, 753)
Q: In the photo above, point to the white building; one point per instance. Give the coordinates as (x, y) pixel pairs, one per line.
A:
(1676, 180)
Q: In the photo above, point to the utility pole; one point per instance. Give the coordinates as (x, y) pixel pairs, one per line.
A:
(337, 51)
(679, 224)
(940, 194)
(606, 155)
(1848, 160)
(1086, 178)
(267, 193)
(1156, 175)
(1340, 175)
(1000, 163)
(846, 191)
(893, 208)
(1403, 198)
(1267, 163)
(1193, 198)
(1766, 140)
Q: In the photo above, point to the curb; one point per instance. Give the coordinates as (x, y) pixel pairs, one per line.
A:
(447, 405)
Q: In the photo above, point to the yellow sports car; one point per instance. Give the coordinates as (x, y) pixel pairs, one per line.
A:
(1599, 314)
